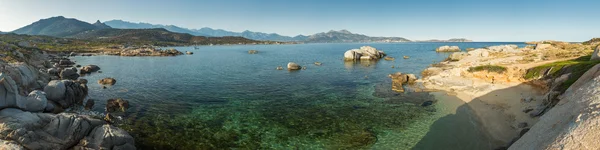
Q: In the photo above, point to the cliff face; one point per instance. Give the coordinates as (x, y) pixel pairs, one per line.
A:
(573, 122)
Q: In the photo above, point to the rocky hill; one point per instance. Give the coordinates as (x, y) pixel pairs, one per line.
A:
(159, 37)
(58, 27)
(345, 36)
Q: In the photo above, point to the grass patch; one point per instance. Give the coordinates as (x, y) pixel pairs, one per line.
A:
(576, 68)
(489, 68)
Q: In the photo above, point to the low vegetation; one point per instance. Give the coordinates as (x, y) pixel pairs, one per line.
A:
(575, 68)
(489, 68)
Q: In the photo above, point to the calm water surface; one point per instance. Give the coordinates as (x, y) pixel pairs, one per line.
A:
(223, 97)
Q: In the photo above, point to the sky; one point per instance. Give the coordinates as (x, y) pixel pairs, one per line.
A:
(479, 20)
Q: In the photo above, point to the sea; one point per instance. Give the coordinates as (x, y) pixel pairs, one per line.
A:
(221, 97)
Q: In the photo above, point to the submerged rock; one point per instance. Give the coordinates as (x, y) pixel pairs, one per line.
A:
(107, 81)
(89, 104)
(388, 58)
(399, 79)
(114, 105)
(252, 52)
(318, 63)
(405, 57)
(427, 103)
(189, 53)
(279, 68)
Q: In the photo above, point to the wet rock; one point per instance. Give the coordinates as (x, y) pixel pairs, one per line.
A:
(77, 66)
(89, 69)
(115, 105)
(399, 79)
(388, 58)
(107, 81)
(252, 52)
(303, 67)
(448, 49)
(279, 68)
(89, 104)
(293, 66)
(318, 63)
(405, 57)
(189, 53)
(69, 73)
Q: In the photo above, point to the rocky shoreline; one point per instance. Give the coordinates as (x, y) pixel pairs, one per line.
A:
(42, 106)
(492, 82)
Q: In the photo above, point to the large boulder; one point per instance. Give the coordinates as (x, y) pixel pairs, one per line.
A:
(364, 53)
(35, 102)
(447, 48)
(69, 73)
(457, 56)
(596, 54)
(89, 69)
(66, 93)
(479, 52)
(504, 48)
(59, 131)
(293, 66)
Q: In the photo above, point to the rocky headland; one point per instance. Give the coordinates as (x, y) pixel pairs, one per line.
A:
(41, 105)
(510, 87)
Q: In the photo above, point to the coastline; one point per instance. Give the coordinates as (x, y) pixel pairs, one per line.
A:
(500, 101)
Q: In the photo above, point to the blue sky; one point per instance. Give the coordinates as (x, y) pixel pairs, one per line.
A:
(480, 20)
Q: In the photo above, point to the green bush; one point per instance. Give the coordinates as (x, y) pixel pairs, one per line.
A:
(490, 68)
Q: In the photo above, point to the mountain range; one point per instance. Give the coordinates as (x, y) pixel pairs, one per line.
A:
(342, 36)
(69, 27)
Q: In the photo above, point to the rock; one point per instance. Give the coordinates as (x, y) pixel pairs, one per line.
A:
(89, 104)
(252, 52)
(107, 81)
(303, 67)
(293, 66)
(527, 110)
(9, 92)
(114, 105)
(189, 53)
(448, 49)
(366, 53)
(89, 69)
(538, 111)
(53, 71)
(388, 58)
(107, 137)
(23, 74)
(279, 68)
(540, 46)
(399, 79)
(35, 102)
(427, 103)
(66, 93)
(69, 73)
(479, 52)
(10, 145)
(318, 63)
(470, 49)
(72, 54)
(504, 48)
(596, 54)
(457, 56)
(57, 131)
(55, 90)
(77, 66)
(411, 78)
(65, 62)
(523, 131)
(522, 125)
(405, 57)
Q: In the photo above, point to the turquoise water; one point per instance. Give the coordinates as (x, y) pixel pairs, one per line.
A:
(223, 97)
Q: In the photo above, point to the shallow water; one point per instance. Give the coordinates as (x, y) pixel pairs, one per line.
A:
(223, 97)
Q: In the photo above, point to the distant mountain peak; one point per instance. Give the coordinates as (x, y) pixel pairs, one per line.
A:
(345, 31)
(58, 26)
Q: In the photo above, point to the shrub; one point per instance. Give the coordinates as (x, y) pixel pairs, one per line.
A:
(489, 68)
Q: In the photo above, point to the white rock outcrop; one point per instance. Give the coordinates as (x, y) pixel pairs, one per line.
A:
(365, 53)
